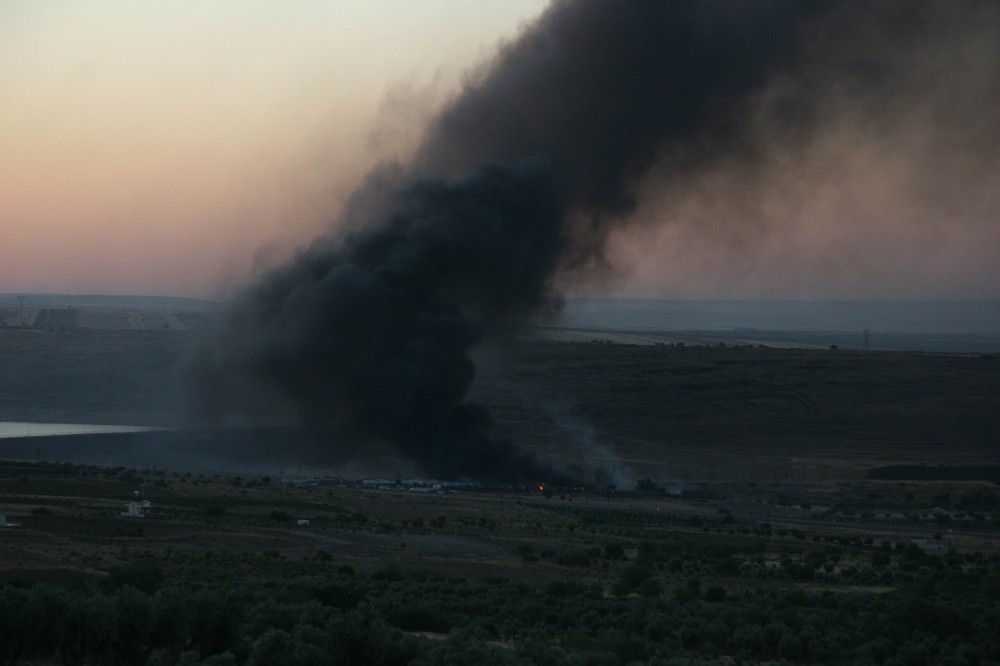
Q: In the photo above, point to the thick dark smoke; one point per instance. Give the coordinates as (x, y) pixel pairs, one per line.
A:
(517, 183)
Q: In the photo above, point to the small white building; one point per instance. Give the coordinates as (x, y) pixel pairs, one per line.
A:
(302, 522)
(138, 509)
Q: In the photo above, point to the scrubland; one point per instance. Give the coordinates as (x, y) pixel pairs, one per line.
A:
(741, 505)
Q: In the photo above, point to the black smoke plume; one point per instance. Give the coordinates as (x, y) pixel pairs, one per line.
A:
(518, 182)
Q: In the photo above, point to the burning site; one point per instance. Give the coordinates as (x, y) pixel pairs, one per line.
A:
(517, 187)
(567, 332)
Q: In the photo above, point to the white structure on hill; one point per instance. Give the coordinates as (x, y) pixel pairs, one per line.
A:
(138, 509)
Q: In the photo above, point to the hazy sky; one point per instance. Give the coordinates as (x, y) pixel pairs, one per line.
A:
(167, 148)
(156, 147)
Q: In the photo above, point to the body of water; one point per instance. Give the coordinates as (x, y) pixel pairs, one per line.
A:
(22, 429)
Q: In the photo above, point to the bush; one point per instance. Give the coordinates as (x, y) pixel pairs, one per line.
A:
(131, 626)
(144, 575)
(420, 617)
(749, 638)
(880, 559)
(790, 648)
(226, 658)
(565, 588)
(271, 647)
(574, 558)
(651, 587)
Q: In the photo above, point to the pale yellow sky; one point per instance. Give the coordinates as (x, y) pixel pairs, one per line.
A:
(162, 147)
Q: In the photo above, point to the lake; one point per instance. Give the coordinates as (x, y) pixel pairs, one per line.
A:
(21, 429)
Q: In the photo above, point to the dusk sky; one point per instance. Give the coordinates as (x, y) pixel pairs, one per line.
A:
(161, 147)
(169, 148)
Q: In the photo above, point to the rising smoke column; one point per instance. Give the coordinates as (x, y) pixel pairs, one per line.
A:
(370, 332)
(518, 181)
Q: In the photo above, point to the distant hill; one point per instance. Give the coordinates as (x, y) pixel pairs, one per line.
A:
(896, 317)
(167, 303)
(62, 312)
(928, 326)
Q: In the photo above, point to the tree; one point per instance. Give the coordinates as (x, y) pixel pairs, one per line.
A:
(360, 636)
(274, 646)
(87, 630)
(171, 620)
(214, 624)
(132, 623)
(144, 575)
(646, 485)
(22, 614)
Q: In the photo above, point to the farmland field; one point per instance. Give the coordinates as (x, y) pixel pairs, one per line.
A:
(327, 571)
(688, 412)
(744, 504)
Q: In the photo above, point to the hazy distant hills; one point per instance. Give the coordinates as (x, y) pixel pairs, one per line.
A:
(61, 312)
(929, 326)
(913, 317)
(171, 303)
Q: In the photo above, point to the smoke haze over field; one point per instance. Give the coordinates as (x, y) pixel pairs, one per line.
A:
(875, 171)
(718, 121)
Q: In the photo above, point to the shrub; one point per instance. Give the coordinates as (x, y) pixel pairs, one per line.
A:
(749, 638)
(574, 558)
(880, 559)
(790, 648)
(271, 647)
(144, 575)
